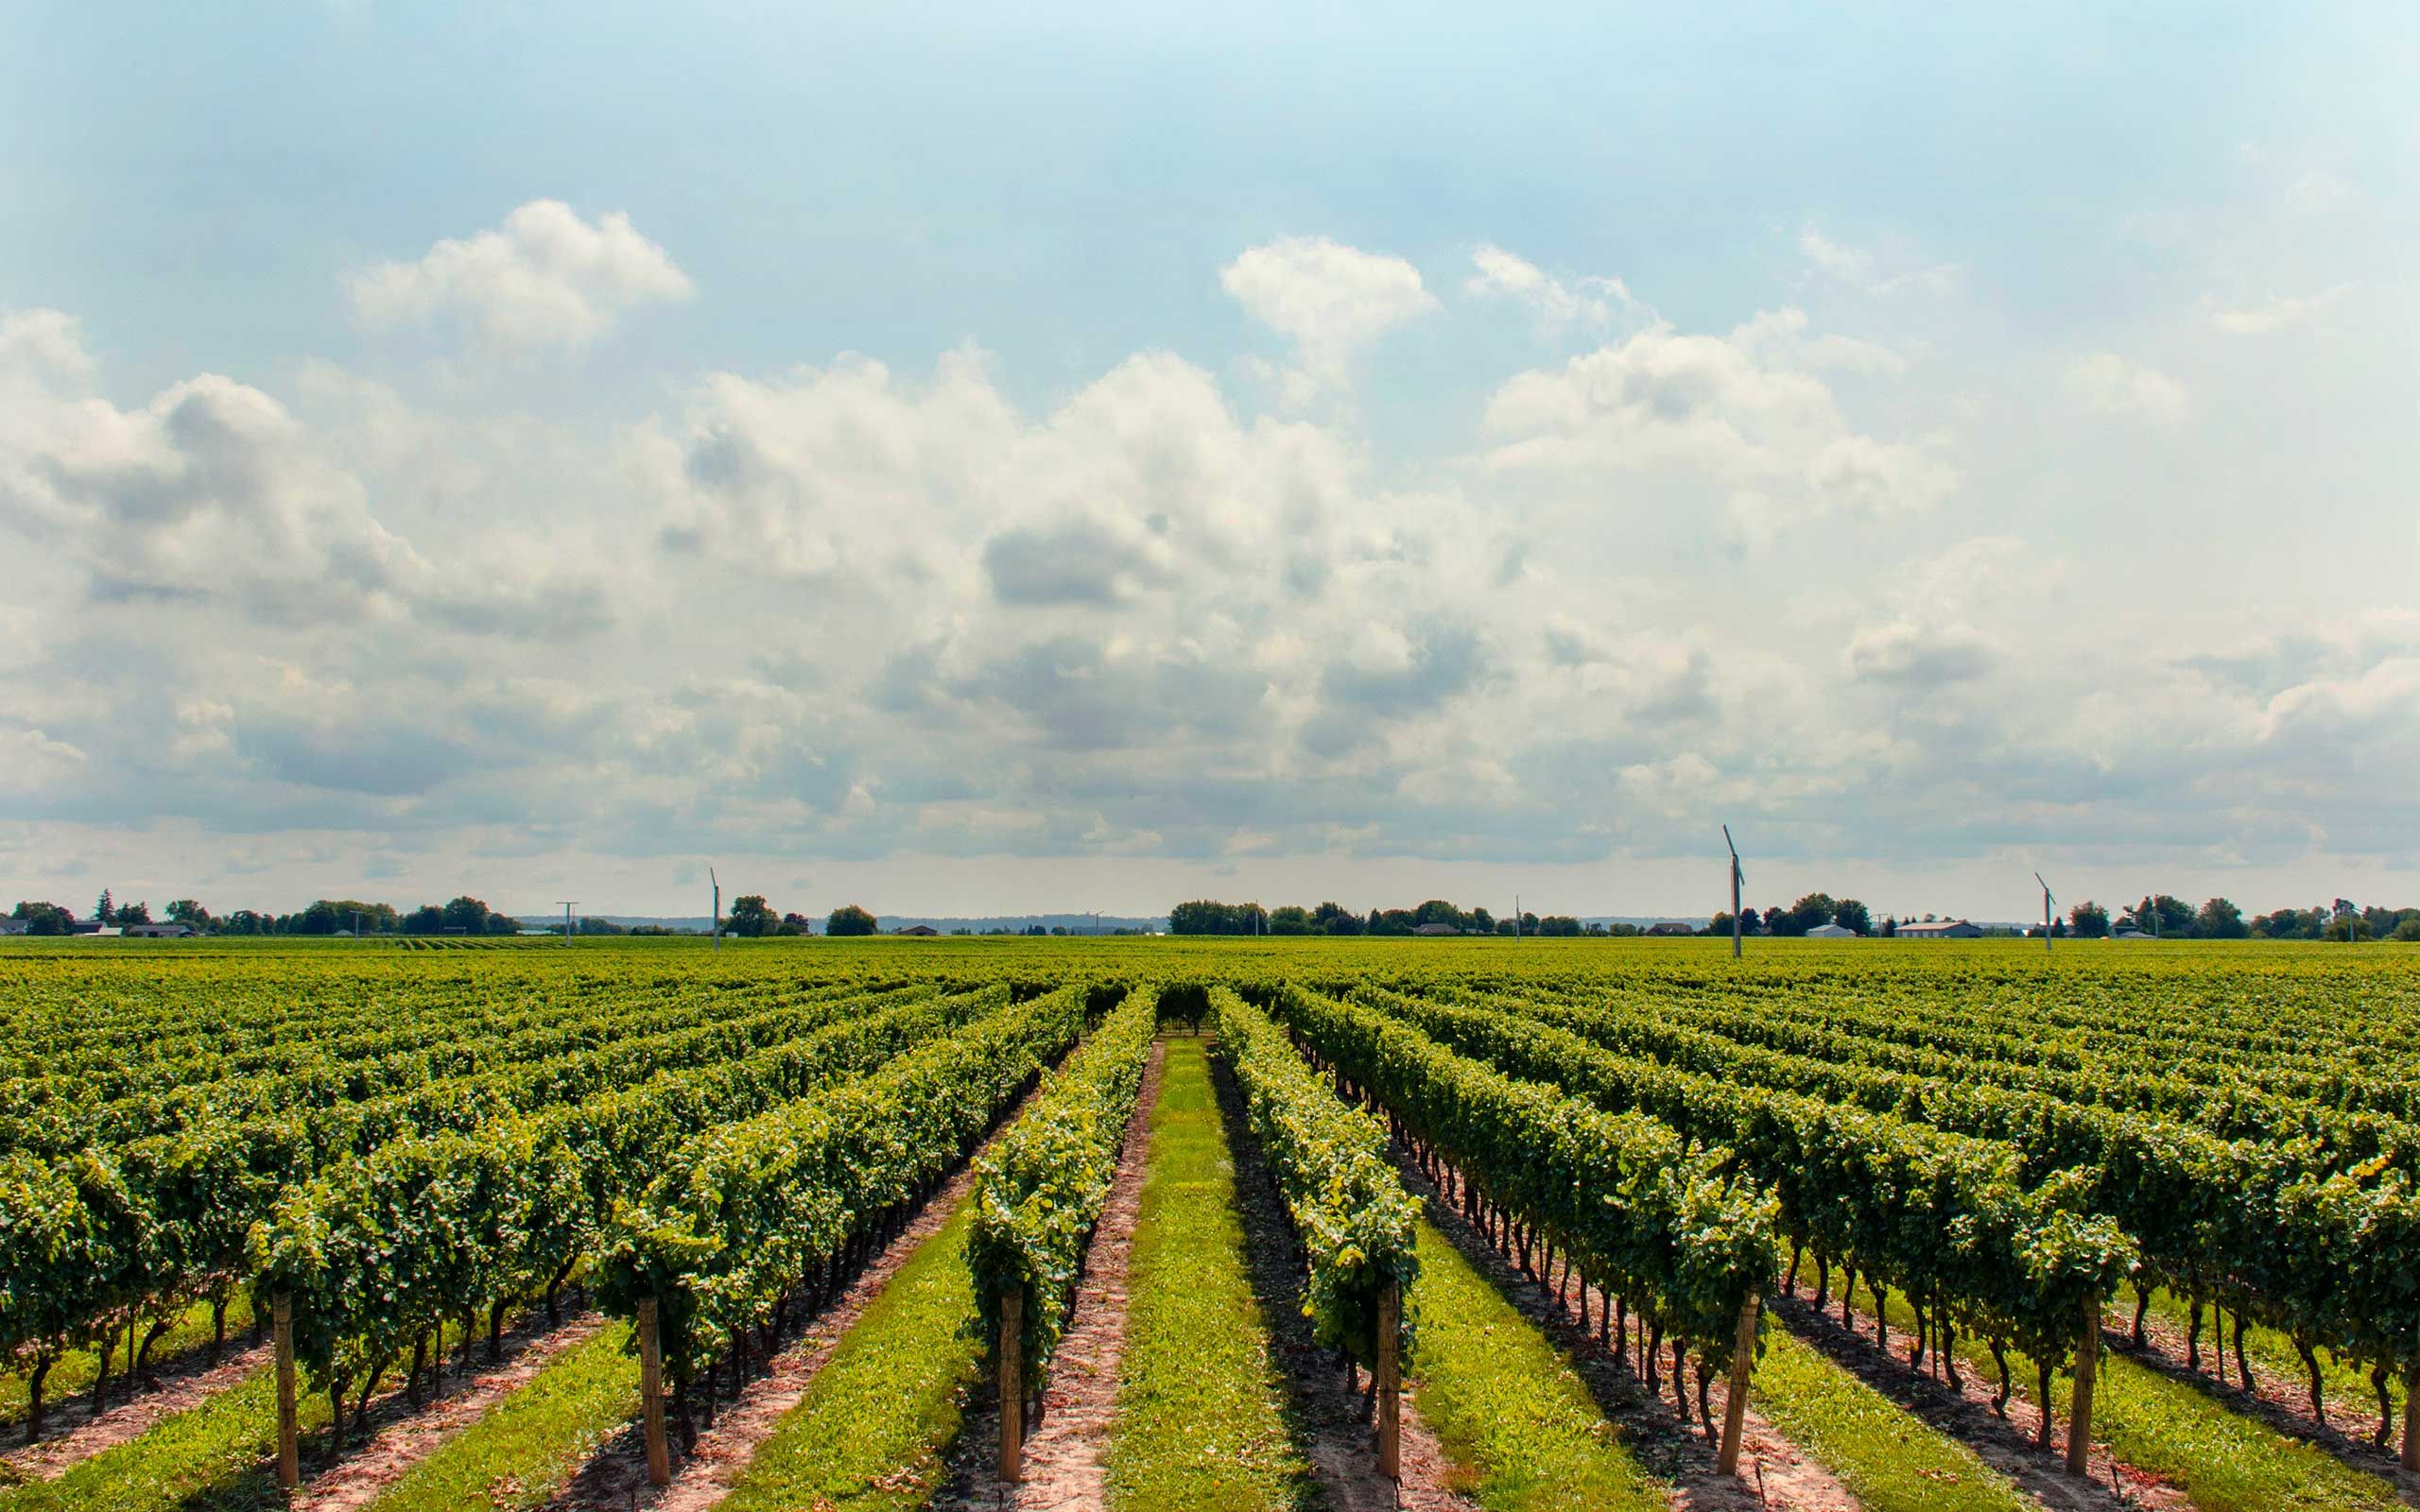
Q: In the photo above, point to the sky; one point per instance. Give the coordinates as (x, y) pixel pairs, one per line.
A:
(996, 459)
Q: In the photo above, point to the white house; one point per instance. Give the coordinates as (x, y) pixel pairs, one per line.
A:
(1831, 932)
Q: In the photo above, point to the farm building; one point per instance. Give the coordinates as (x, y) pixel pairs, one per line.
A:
(1831, 932)
(15, 926)
(157, 931)
(919, 930)
(1945, 929)
(1436, 929)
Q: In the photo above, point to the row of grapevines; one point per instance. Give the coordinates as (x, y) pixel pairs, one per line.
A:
(93, 1240)
(1668, 1223)
(1357, 1226)
(740, 1216)
(2296, 1229)
(375, 1251)
(1944, 1217)
(1039, 1189)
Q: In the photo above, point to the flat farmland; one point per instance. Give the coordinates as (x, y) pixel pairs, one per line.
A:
(1454, 1223)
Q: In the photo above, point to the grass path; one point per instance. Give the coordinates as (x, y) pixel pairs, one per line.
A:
(215, 1458)
(1199, 1423)
(1521, 1429)
(519, 1453)
(870, 1432)
(1892, 1460)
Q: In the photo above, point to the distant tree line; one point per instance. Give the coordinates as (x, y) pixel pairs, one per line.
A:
(1811, 912)
(1436, 916)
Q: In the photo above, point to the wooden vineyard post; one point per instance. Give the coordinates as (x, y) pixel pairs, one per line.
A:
(1735, 1408)
(2411, 1417)
(1390, 1382)
(659, 1453)
(2080, 1414)
(1012, 1383)
(289, 1453)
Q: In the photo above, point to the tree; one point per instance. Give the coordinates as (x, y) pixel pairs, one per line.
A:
(1751, 922)
(104, 911)
(1813, 909)
(1482, 921)
(2409, 930)
(1436, 911)
(428, 919)
(751, 917)
(1850, 914)
(43, 918)
(466, 915)
(1334, 918)
(2090, 920)
(849, 919)
(190, 913)
(1291, 920)
(138, 913)
(1558, 925)
(2219, 920)
(2346, 928)
(2163, 916)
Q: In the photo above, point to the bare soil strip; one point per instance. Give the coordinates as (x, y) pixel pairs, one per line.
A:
(404, 1440)
(195, 1382)
(1964, 1412)
(2282, 1402)
(1773, 1471)
(615, 1479)
(1337, 1421)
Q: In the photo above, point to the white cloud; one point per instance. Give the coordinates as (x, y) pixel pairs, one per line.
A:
(1743, 412)
(2280, 313)
(1907, 655)
(1557, 303)
(545, 278)
(2109, 383)
(1331, 300)
(1862, 270)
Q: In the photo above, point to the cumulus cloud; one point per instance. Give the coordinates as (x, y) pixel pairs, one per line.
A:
(2113, 386)
(1745, 411)
(1863, 270)
(1330, 298)
(545, 278)
(2280, 313)
(1904, 654)
(1556, 302)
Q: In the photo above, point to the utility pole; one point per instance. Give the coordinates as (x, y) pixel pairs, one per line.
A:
(567, 908)
(1737, 877)
(2046, 914)
(718, 882)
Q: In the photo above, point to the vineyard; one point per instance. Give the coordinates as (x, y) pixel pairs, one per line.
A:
(1169, 1224)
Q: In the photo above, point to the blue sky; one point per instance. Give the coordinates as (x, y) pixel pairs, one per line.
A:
(964, 461)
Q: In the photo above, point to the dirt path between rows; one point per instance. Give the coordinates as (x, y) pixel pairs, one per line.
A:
(1964, 1412)
(615, 1479)
(1773, 1472)
(58, 1452)
(1062, 1454)
(403, 1441)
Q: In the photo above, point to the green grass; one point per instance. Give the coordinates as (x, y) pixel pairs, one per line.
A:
(1892, 1461)
(519, 1453)
(73, 1375)
(1522, 1432)
(2223, 1460)
(869, 1433)
(216, 1457)
(1199, 1423)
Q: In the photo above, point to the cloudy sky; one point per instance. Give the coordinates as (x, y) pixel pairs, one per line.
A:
(1151, 452)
